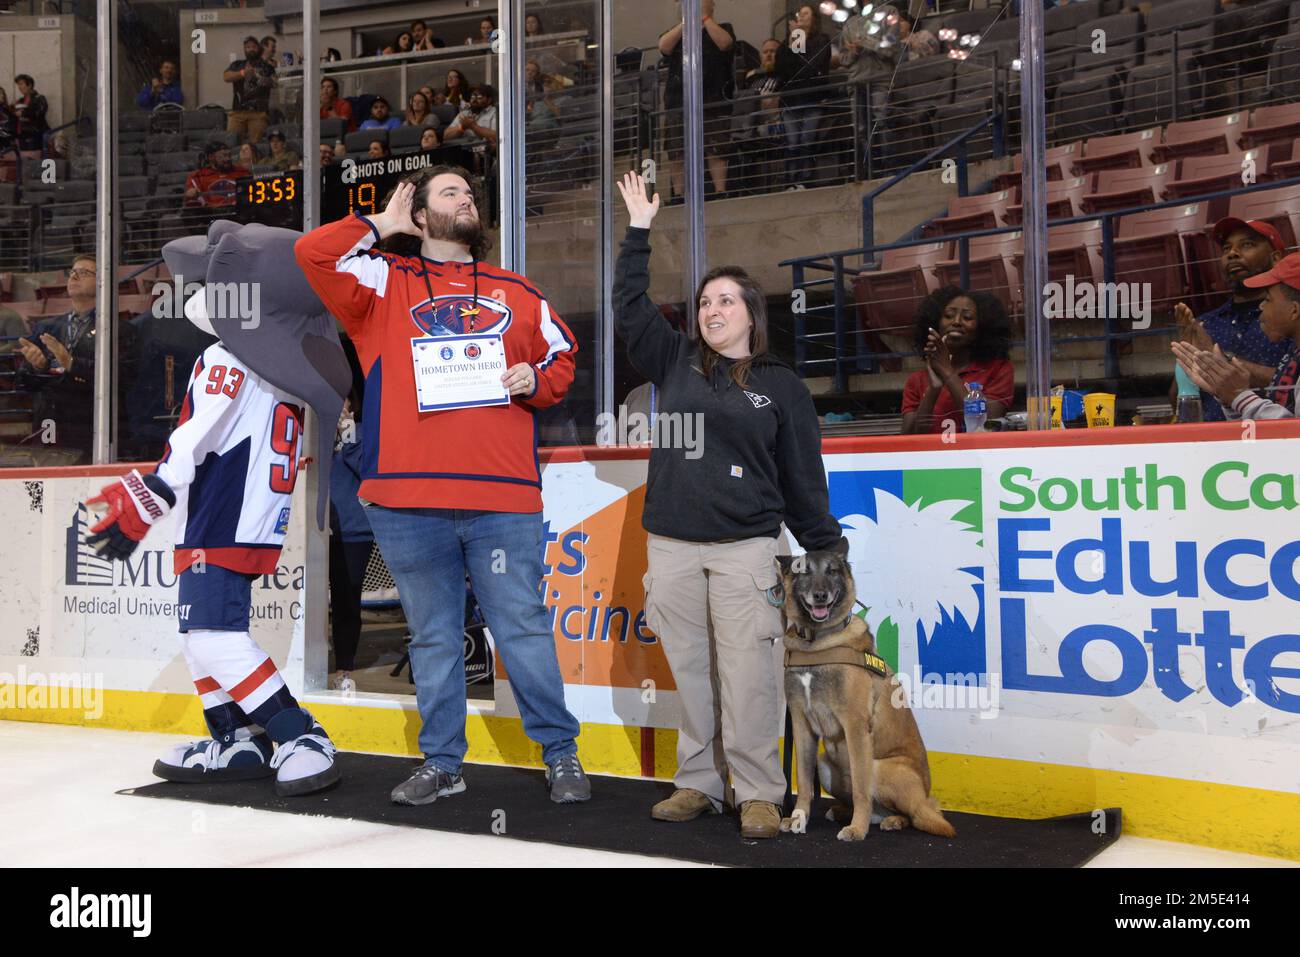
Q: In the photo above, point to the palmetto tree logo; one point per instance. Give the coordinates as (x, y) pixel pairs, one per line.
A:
(916, 547)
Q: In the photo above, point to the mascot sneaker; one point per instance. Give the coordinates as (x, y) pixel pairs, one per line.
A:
(240, 755)
(304, 756)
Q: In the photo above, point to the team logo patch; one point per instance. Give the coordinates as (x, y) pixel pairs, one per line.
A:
(451, 315)
(758, 400)
(282, 523)
(446, 353)
(472, 351)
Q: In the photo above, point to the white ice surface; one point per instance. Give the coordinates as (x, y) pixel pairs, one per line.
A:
(60, 807)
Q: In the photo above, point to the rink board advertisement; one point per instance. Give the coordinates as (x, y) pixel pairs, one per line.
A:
(1095, 611)
(69, 612)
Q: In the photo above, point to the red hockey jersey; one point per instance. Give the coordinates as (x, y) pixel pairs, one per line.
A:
(474, 458)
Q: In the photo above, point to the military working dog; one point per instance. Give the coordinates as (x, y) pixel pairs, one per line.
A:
(840, 692)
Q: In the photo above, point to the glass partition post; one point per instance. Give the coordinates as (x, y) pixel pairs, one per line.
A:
(1033, 139)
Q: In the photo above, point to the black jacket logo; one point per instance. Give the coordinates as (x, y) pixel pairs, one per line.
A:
(758, 400)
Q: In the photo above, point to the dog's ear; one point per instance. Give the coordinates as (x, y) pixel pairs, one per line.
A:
(841, 548)
(783, 563)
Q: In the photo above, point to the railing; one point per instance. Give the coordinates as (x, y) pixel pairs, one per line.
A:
(847, 355)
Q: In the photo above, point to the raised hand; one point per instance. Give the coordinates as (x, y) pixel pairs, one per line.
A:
(396, 217)
(641, 211)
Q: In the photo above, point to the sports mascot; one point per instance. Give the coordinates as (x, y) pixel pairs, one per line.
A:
(228, 472)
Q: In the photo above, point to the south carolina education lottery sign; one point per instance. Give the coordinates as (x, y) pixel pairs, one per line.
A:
(1137, 607)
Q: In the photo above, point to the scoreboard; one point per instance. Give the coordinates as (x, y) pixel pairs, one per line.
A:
(348, 187)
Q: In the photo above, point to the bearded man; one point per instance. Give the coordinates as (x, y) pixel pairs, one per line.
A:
(450, 480)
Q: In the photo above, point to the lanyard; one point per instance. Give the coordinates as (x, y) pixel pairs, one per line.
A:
(471, 313)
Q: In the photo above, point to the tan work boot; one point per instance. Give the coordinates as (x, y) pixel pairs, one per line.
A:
(685, 804)
(759, 819)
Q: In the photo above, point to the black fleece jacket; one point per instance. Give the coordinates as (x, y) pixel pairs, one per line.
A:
(761, 461)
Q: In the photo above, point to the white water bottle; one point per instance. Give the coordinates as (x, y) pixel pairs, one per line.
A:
(975, 407)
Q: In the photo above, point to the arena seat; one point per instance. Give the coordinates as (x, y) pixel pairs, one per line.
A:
(1149, 89)
(1270, 124)
(1064, 199)
(991, 267)
(1198, 175)
(1213, 136)
(359, 142)
(1157, 246)
(1123, 188)
(1121, 151)
(1058, 159)
(1085, 105)
(1192, 20)
(969, 213)
(1287, 169)
(887, 299)
(1281, 207)
(1069, 17)
(1123, 32)
(332, 129)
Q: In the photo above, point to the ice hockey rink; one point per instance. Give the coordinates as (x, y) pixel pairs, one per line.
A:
(62, 810)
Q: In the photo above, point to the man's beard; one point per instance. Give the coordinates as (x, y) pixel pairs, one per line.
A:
(451, 228)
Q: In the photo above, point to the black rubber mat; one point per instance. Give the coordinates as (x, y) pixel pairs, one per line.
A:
(617, 818)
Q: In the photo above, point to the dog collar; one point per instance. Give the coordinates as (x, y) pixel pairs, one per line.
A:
(837, 656)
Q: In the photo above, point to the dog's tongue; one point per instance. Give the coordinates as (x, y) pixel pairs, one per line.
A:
(821, 612)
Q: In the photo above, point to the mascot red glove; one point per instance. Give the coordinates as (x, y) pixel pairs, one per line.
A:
(134, 503)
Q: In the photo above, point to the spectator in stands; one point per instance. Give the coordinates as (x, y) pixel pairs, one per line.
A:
(404, 43)
(378, 149)
(332, 55)
(60, 146)
(1248, 249)
(804, 62)
(429, 139)
(251, 79)
(963, 337)
(533, 26)
(59, 367)
(326, 155)
(30, 110)
(718, 41)
(478, 121)
(423, 36)
(532, 78)
(871, 72)
(544, 111)
(921, 43)
(763, 134)
(214, 183)
(379, 118)
(269, 45)
(283, 158)
(1232, 381)
(429, 95)
(248, 156)
(333, 105)
(163, 88)
(485, 28)
(8, 121)
(455, 89)
(419, 111)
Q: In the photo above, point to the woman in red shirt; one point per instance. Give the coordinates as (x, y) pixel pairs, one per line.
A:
(964, 337)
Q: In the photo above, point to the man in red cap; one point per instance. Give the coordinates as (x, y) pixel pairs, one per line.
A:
(1228, 379)
(1248, 249)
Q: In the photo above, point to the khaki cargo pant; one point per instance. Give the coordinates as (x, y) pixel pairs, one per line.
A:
(707, 602)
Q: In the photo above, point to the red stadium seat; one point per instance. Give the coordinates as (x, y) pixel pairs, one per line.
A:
(1064, 199)
(1156, 247)
(1214, 136)
(888, 298)
(1272, 124)
(1125, 151)
(991, 267)
(1281, 207)
(1286, 169)
(969, 213)
(1199, 175)
(1124, 188)
(1057, 160)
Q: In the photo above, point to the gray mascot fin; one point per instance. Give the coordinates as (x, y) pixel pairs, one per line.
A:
(291, 341)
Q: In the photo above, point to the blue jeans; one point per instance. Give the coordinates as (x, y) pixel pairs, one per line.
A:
(428, 550)
(802, 127)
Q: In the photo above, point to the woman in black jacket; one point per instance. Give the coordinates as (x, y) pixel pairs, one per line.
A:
(713, 510)
(804, 63)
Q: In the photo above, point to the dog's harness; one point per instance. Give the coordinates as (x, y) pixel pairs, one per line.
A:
(836, 656)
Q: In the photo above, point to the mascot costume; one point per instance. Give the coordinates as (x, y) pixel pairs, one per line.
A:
(228, 473)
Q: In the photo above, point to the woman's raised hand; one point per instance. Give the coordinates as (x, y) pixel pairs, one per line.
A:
(640, 210)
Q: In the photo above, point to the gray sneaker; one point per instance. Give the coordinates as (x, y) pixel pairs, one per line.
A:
(426, 784)
(569, 783)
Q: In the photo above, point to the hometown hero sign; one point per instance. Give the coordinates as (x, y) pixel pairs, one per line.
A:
(1153, 573)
